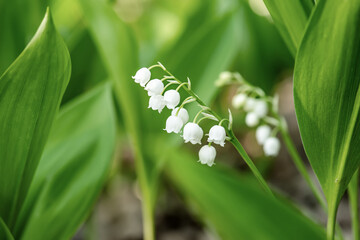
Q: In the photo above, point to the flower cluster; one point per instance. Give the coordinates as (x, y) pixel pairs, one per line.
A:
(179, 117)
(258, 108)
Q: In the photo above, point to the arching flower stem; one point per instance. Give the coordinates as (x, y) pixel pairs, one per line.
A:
(203, 118)
(233, 140)
(223, 120)
(182, 84)
(198, 114)
(167, 85)
(166, 78)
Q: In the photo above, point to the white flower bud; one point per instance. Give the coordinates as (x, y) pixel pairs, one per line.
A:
(249, 104)
(239, 100)
(217, 135)
(251, 119)
(183, 114)
(262, 133)
(207, 155)
(172, 99)
(157, 102)
(226, 75)
(154, 87)
(193, 133)
(272, 147)
(224, 78)
(142, 76)
(261, 108)
(173, 124)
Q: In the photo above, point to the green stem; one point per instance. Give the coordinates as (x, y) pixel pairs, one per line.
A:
(302, 169)
(354, 204)
(330, 228)
(148, 222)
(235, 142)
(301, 166)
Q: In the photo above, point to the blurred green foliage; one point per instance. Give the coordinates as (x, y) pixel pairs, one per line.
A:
(108, 41)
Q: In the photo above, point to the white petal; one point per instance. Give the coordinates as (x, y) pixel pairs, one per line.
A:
(262, 133)
(251, 119)
(183, 114)
(154, 87)
(207, 155)
(249, 104)
(261, 108)
(239, 100)
(157, 102)
(172, 99)
(193, 133)
(272, 147)
(173, 124)
(217, 134)
(142, 76)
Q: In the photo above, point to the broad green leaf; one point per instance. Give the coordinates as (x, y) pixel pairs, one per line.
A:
(290, 17)
(235, 205)
(327, 95)
(85, 74)
(18, 21)
(73, 168)
(30, 93)
(118, 51)
(260, 47)
(5, 233)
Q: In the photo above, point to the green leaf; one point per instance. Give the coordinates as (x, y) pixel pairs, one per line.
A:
(235, 205)
(327, 95)
(290, 17)
(118, 50)
(73, 168)
(5, 233)
(261, 46)
(18, 22)
(30, 93)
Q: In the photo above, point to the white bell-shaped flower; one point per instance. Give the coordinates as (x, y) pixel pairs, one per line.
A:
(172, 99)
(157, 102)
(207, 155)
(193, 133)
(154, 87)
(239, 100)
(272, 147)
(250, 104)
(183, 114)
(173, 124)
(142, 76)
(252, 119)
(261, 108)
(217, 135)
(262, 133)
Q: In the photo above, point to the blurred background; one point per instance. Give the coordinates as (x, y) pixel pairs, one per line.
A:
(109, 40)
